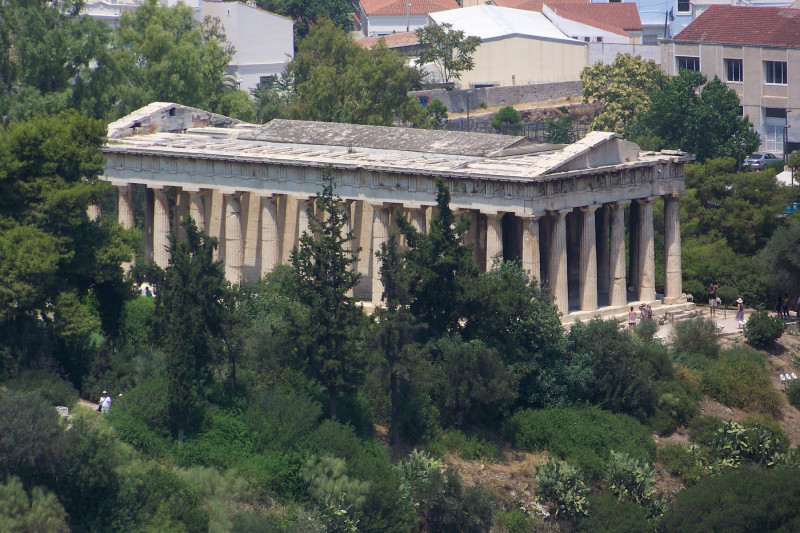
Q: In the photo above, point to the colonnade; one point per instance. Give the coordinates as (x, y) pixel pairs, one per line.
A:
(580, 254)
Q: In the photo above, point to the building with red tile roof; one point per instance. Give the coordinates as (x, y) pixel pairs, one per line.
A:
(384, 17)
(756, 52)
(610, 23)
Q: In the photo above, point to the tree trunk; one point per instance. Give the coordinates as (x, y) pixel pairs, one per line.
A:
(180, 435)
(394, 432)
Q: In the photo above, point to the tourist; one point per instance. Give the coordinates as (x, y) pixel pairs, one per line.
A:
(105, 402)
(712, 298)
(740, 311)
(785, 306)
(647, 312)
(631, 319)
(779, 306)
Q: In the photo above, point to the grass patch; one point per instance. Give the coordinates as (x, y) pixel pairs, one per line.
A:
(469, 448)
(738, 378)
(583, 436)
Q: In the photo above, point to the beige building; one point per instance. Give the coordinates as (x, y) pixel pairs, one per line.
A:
(517, 47)
(763, 67)
(579, 217)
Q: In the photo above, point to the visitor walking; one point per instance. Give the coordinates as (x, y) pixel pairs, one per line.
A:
(712, 299)
(740, 311)
(105, 402)
(631, 319)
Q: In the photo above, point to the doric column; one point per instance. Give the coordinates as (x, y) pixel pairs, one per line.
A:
(617, 287)
(602, 249)
(646, 263)
(149, 202)
(303, 206)
(215, 213)
(269, 234)
(416, 217)
(160, 228)
(289, 227)
(380, 232)
(531, 260)
(233, 238)
(125, 206)
(181, 210)
(558, 259)
(494, 239)
(672, 250)
(588, 259)
(362, 222)
(93, 212)
(197, 209)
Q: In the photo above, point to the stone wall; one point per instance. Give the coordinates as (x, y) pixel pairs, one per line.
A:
(456, 101)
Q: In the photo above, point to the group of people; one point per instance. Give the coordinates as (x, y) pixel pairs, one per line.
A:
(782, 306)
(646, 312)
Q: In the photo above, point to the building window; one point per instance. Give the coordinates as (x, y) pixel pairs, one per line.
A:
(733, 70)
(684, 6)
(687, 63)
(775, 112)
(599, 39)
(775, 72)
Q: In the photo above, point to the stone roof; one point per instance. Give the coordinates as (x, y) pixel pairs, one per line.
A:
(398, 7)
(755, 26)
(166, 116)
(382, 138)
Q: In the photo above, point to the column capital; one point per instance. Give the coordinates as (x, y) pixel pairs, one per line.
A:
(190, 189)
(620, 203)
(495, 215)
(560, 212)
(531, 216)
(647, 200)
(589, 208)
(673, 196)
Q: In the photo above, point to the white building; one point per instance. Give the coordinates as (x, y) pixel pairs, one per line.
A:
(384, 17)
(264, 41)
(112, 10)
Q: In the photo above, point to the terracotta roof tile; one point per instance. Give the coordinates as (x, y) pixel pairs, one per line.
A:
(622, 15)
(394, 40)
(757, 26)
(398, 7)
(535, 5)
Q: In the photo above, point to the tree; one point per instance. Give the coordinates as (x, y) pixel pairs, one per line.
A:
(780, 258)
(622, 89)
(560, 131)
(437, 112)
(440, 269)
(507, 120)
(307, 13)
(703, 122)
(324, 280)
(337, 80)
(450, 51)
(191, 307)
(41, 512)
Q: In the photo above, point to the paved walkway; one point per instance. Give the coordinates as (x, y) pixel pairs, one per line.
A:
(725, 320)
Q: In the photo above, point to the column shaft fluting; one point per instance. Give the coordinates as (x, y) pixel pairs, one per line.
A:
(603, 224)
(531, 260)
(233, 238)
(672, 249)
(197, 209)
(380, 233)
(160, 228)
(588, 259)
(646, 263)
(269, 234)
(617, 287)
(494, 239)
(416, 218)
(558, 260)
(125, 206)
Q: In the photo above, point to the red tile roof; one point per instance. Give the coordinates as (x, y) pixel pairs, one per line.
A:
(757, 26)
(398, 7)
(394, 40)
(622, 15)
(535, 5)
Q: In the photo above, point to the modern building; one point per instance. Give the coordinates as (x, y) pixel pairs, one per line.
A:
(263, 41)
(565, 213)
(615, 22)
(384, 17)
(112, 10)
(756, 52)
(517, 47)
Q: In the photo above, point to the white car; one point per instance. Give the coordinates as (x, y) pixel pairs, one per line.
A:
(759, 159)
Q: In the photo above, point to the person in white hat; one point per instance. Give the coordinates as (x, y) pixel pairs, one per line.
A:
(740, 311)
(105, 402)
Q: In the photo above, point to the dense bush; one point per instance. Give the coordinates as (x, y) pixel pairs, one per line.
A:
(682, 460)
(446, 506)
(634, 480)
(562, 485)
(739, 379)
(19, 512)
(53, 389)
(469, 448)
(585, 437)
(223, 441)
(750, 442)
(793, 393)
(747, 499)
(695, 338)
(676, 406)
(607, 514)
(762, 329)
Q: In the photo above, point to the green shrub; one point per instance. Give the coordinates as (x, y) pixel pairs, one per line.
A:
(223, 441)
(517, 521)
(645, 330)
(762, 329)
(282, 418)
(277, 472)
(136, 433)
(607, 514)
(735, 443)
(447, 507)
(415, 471)
(703, 428)
(53, 389)
(676, 406)
(634, 480)
(507, 120)
(692, 338)
(585, 437)
(147, 402)
(684, 461)
(469, 448)
(562, 485)
(793, 393)
(739, 379)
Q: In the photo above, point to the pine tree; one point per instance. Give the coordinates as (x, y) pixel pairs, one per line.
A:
(323, 262)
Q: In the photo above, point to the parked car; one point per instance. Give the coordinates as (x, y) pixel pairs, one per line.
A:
(759, 159)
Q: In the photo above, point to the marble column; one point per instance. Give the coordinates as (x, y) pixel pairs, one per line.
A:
(588, 259)
(149, 201)
(603, 222)
(251, 224)
(672, 250)
(125, 206)
(197, 209)
(380, 232)
(303, 206)
(160, 228)
(233, 238)
(289, 227)
(362, 222)
(531, 261)
(416, 217)
(617, 287)
(93, 212)
(646, 262)
(269, 234)
(215, 219)
(180, 212)
(558, 259)
(494, 239)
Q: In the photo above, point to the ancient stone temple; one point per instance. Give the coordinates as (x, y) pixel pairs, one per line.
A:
(562, 212)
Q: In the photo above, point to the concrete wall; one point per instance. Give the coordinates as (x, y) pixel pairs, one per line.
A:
(385, 24)
(606, 53)
(456, 101)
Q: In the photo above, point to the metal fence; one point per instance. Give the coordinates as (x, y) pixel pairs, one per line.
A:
(532, 130)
